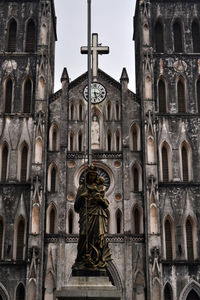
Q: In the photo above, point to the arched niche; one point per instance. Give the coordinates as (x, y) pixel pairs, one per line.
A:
(41, 88)
(35, 219)
(38, 151)
(153, 220)
(150, 150)
(148, 88)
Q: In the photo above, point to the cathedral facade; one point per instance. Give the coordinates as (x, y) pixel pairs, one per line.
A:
(145, 146)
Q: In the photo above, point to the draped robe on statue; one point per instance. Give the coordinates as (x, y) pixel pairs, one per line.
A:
(91, 204)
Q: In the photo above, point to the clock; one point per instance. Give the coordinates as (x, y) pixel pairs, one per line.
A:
(98, 92)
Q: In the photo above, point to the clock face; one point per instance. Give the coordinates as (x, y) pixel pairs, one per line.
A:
(98, 92)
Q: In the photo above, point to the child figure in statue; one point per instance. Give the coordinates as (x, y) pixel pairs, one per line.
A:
(91, 204)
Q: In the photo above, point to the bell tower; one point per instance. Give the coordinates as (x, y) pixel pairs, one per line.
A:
(167, 68)
(27, 50)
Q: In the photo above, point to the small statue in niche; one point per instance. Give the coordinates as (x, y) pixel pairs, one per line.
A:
(95, 132)
(91, 204)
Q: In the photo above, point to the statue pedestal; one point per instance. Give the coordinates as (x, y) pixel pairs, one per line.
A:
(92, 288)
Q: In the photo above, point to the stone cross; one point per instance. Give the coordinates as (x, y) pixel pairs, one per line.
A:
(96, 49)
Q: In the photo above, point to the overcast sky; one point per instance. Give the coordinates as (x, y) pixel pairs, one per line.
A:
(112, 20)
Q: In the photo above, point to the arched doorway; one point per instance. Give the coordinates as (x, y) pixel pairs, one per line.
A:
(192, 296)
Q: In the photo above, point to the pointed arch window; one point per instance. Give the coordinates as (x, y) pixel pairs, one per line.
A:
(117, 141)
(168, 240)
(4, 163)
(72, 112)
(168, 295)
(198, 95)
(70, 220)
(80, 112)
(189, 239)
(20, 240)
(30, 36)
(52, 222)
(136, 220)
(1, 237)
(181, 96)
(192, 295)
(20, 293)
(71, 142)
(24, 162)
(119, 221)
(27, 96)
(8, 95)
(178, 37)
(109, 111)
(54, 139)
(159, 37)
(134, 138)
(196, 36)
(117, 111)
(162, 96)
(165, 167)
(135, 179)
(53, 180)
(109, 141)
(80, 139)
(184, 163)
(12, 36)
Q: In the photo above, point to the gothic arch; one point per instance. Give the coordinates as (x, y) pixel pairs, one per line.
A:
(119, 221)
(162, 94)
(12, 35)
(8, 94)
(168, 292)
(70, 222)
(165, 154)
(159, 35)
(41, 88)
(185, 161)
(52, 219)
(134, 137)
(117, 141)
(71, 111)
(32, 290)
(137, 219)
(154, 226)
(117, 111)
(136, 177)
(80, 111)
(20, 292)
(181, 94)
(190, 235)
(36, 219)
(5, 154)
(27, 90)
(71, 141)
(109, 141)
(23, 161)
(43, 34)
(30, 40)
(195, 28)
(114, 275)
(38, 151)
(19, 247)
(109, 111)
(168, 245)
(53, 178)
(192, 285)
(80, 141)
(150, 150)
(177, 29)
(54, 137)
(148, 87)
